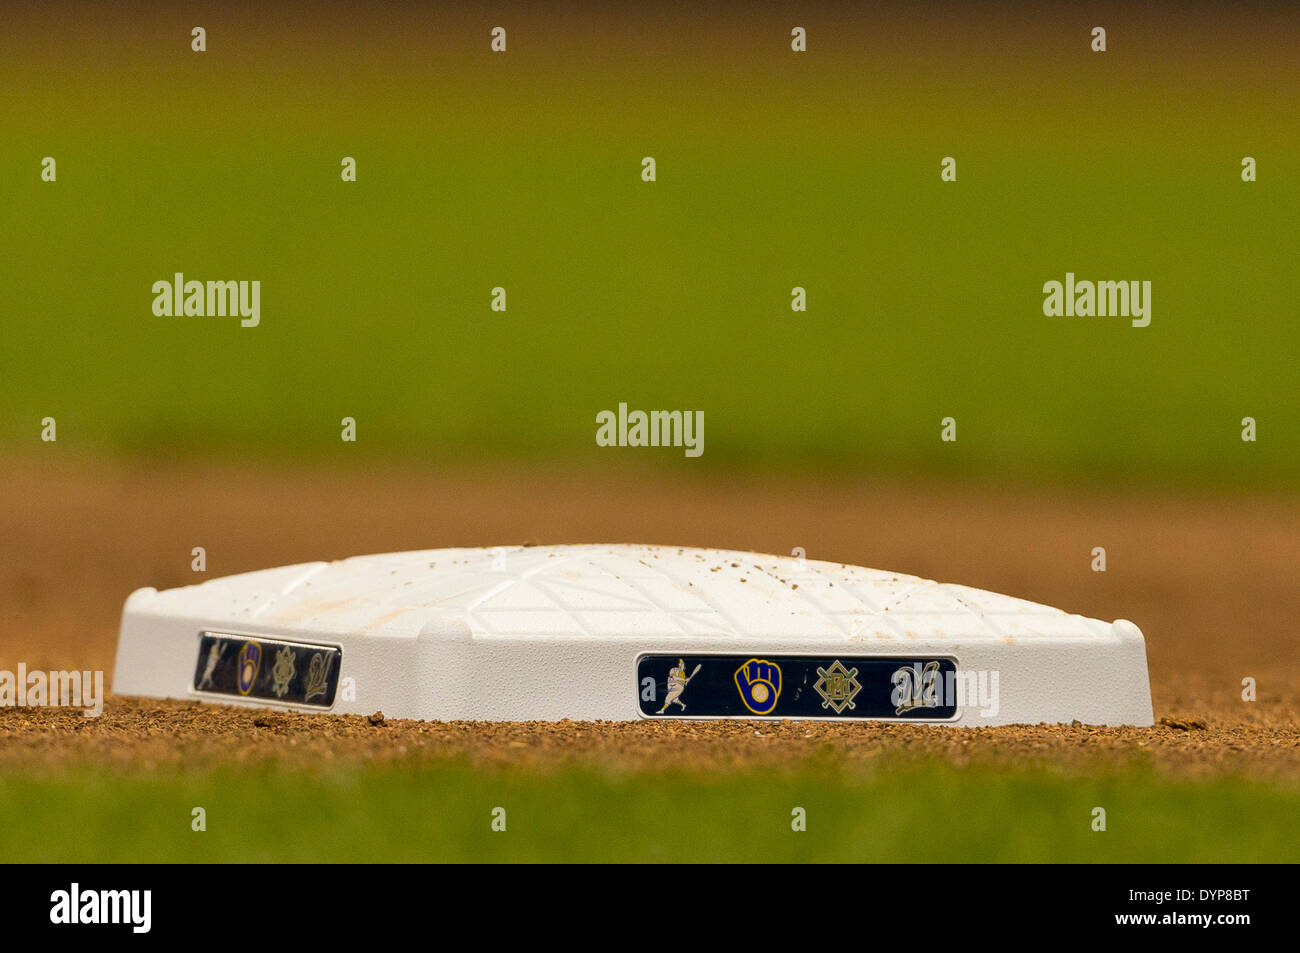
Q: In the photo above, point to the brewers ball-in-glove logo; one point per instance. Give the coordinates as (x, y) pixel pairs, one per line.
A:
(250, 658)
(759, 682)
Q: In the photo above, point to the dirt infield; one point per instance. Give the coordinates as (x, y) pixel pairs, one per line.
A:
(1211, 583)
(144, 734)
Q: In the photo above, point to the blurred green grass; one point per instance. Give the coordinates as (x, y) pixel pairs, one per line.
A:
(773, 171)
(926, 812)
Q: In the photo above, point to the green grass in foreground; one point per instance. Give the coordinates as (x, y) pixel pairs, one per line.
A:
(442, 812)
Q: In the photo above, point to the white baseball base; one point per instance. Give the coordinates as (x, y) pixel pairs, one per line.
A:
(616, 632)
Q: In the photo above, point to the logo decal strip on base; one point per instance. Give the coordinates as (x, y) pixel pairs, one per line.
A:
(273, 670)
(796, 686)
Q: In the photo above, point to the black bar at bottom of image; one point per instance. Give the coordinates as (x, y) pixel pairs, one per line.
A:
(329, 903)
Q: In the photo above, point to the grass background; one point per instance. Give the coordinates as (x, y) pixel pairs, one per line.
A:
(428, 812)
(775, 169)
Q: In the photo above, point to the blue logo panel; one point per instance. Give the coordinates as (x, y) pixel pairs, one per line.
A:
(797, 686)
(238, 666)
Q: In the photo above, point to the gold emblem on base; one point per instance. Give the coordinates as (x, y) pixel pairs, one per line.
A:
(317, 676)
(838, 686)
(282, 673)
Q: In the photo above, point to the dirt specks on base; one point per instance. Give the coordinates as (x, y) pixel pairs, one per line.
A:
(1211, 583)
